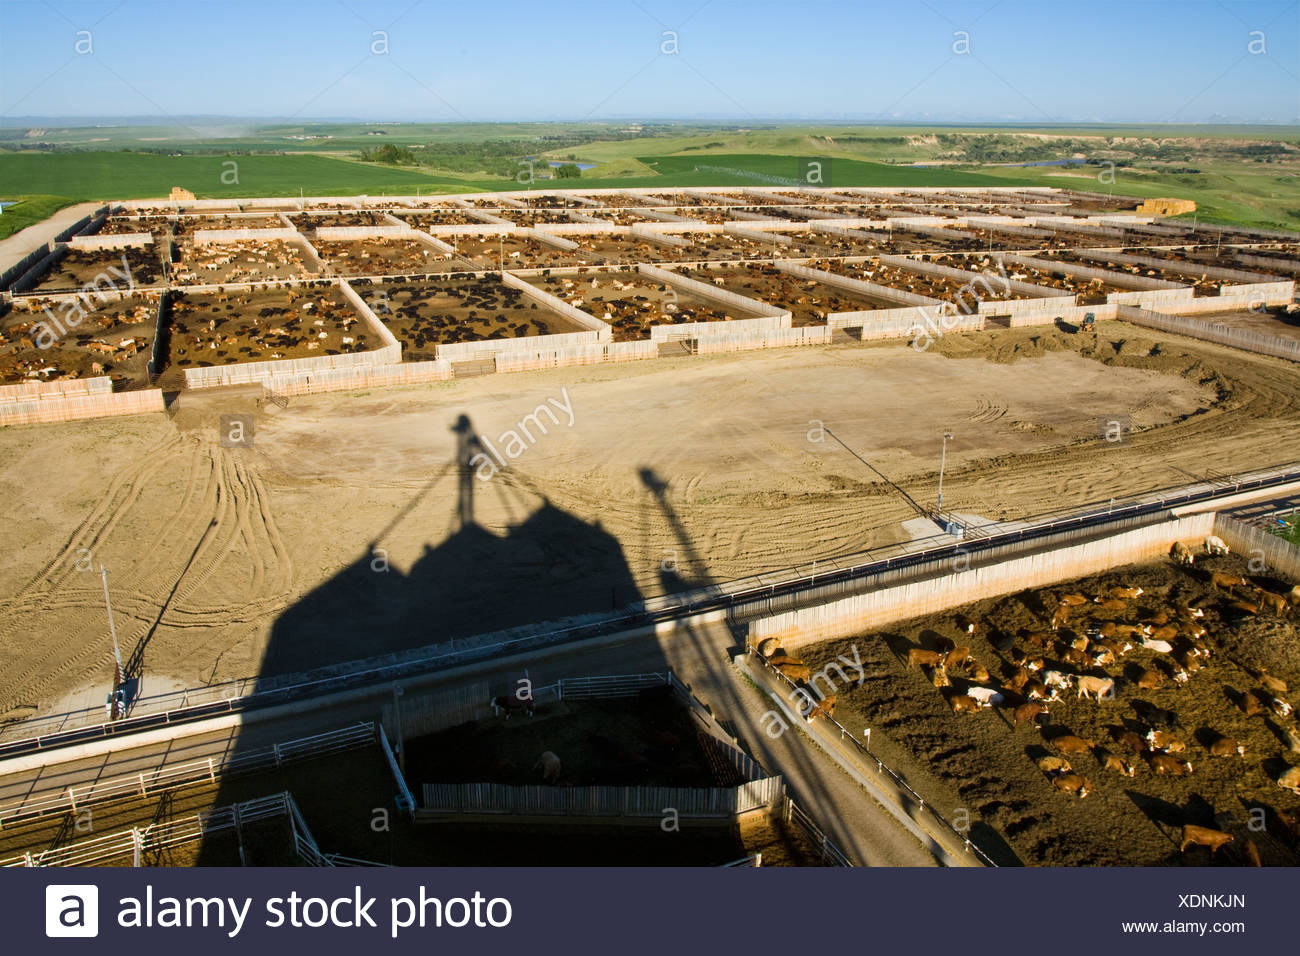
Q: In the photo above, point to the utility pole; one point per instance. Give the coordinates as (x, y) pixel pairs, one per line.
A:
(943, 460)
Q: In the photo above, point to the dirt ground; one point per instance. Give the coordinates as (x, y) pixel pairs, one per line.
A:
(249, 260)
(809, 302)
(710, 463)
(1277, 322)
(80, 268)
(984, 765)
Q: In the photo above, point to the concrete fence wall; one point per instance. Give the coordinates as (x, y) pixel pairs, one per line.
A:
(756, 235)
(129, 240)
(905, 323)
(992, 280)
(543, 298)
(944, 591)
(710, 344)
(352, 233)
(552, 240)
(72, 400)
(1178, 268)
(203, 237)
(490, 348)
(712, 293)
(1154, 298)
(846, 232)
(317, 381)
(1121, 280)
(1208, 332)
(659, 238)
(1271, 293)
(860, 286)
(472, 229)
(534, 360)
(1268, 262)
(691, 330)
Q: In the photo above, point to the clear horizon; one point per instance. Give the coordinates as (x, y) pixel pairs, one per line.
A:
(989, 63)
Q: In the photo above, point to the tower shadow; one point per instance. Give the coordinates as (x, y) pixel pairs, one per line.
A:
(549, 565)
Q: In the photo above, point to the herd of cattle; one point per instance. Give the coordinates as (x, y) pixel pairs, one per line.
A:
(1095, 647)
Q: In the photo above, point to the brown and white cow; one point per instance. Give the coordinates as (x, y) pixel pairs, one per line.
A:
(1071, 744)
(1165, 764)
(1072, 783)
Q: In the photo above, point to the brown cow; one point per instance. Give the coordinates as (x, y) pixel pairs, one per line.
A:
(1061, 616)
(1112, 604)
(1070, 744)
(1227, 747)
(1029, 713)
(825, 708)
(966, 624)
(1150, 679)
(939, 676)
(1203, 836)
(1275, 602)
(1125, 592)
(1251, 854)
(1072, 600)
(1164, 741)
(1226, 582)
(1072, 783)
(1130, 739)
(919, 657)
(794, 669)
(957, 656)
(1249, 704)
(961, 704)
(1182, 554)
(1165, 764)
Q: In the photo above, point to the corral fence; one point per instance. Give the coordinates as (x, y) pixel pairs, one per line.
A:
(141, 785)
(139, 843)
(1209, 332)
(609, 688)
(831, 854)
(690, 803)
(1276, 551)
(900, 783)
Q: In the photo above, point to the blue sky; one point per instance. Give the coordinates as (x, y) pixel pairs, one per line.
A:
(741, 60)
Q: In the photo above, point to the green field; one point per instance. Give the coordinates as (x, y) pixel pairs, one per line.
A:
(27, 210)
(1292, 530)
(1247, 175)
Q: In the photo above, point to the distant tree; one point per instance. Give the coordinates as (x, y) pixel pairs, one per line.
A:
(568, 171)
(390, 154)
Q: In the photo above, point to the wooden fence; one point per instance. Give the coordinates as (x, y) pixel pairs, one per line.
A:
(1277, 552)
(1209, 332)
(436, 710)
(138, 843)
(141, 785)
(608, 802)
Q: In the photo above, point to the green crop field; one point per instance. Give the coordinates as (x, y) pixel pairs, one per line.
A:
(1248, 175)
(119, 175)
(27, 210)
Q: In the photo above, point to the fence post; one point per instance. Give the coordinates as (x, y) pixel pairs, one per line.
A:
(72, 800)
(276, 748)
(212, 771)
(144, 791)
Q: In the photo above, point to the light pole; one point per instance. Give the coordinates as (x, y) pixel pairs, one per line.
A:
(943, 460)
(117, 653)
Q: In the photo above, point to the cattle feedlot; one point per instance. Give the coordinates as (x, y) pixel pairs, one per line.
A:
(378, 453)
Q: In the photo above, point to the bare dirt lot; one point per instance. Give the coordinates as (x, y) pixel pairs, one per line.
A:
(1277, 322)
(218, 554)
(80, 268)
(982, 763)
